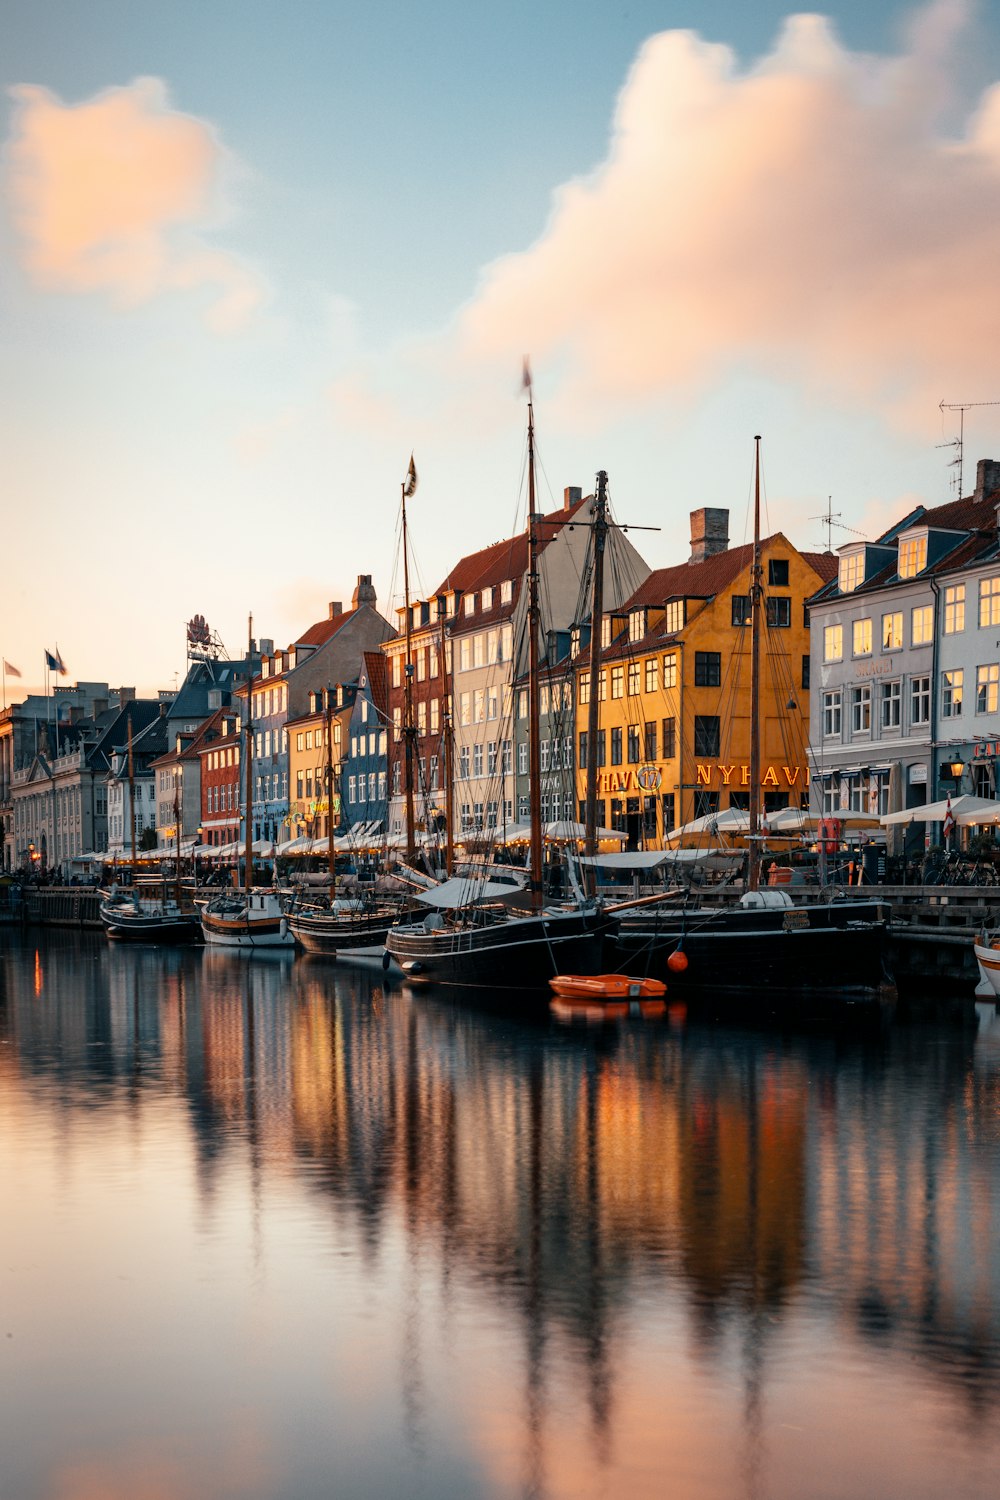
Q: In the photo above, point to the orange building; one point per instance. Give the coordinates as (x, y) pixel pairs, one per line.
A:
(674, 737)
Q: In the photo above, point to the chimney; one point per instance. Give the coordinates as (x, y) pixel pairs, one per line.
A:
(336, 608)
(126, 695)
(572, 495)
(709, 533)
(987, 478)
(364, 593)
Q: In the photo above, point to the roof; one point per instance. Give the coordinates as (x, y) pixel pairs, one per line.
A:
(378, 681)
(509, 558)
(323, 630)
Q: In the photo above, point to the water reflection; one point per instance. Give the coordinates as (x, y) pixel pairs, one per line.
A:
(556, 1260)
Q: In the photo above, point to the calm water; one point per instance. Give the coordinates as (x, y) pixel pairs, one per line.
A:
(271, 1230)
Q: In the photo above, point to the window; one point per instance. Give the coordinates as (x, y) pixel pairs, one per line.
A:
(479, 706)
(921, 625)
(675, 616)
(669, 727)
(954, 609)
(989, 601)
(833, 643)
(634, 675)
(582, 752)
(831, 714)
(706, 734)
(465, 653)
(478, 657)
(862, 633)
(469, 604)
(892, 631)
(602, 684)
(805, 671)
(951, 694)
(637, 624)
(617, 681)
(432, 661)
(507, 759)
(616, 745)
(397, 670)
(652, 675)
(741, 609)
(912, 556)
(777, 572)
(632, 745)
(422, 664)
(600, 748)
(705, 804)
(851, 572)
(779, 612)
(464, 763)
(435, 716)
(522, 757)
(506, 591)
(987, 684)
(477, 760)
(667, 802)
(649, 743)
(861, 710)
(670, 670)
(707, 668)
(891, 703)
(584, 687)
(920, 700)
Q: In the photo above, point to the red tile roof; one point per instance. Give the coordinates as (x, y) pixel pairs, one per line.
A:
(507, 559)
(323, 630)
(378, 680)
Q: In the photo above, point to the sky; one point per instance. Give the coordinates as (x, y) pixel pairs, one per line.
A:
(253, 256)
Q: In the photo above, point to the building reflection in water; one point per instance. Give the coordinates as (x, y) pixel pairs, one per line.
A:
(626, 1207)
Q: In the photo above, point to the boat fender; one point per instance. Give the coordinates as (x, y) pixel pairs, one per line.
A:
(678, 961)
(283, 927)
(386, 960)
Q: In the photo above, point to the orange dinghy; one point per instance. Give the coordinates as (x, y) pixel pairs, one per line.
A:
(606, 987)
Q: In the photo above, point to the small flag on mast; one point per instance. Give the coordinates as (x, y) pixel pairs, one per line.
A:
(55, 663)
(410, 485)
(10, 669)
(526, 376)
(949, 818)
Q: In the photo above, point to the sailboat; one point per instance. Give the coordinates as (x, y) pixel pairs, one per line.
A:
(768, 950)
(334, 924)
(491, 933)
(252, 918)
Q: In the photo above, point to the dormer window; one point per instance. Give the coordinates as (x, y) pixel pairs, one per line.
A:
(487, 599)
(912, 555)
(852, 571)
(637, 625)
(265, 666)
(469, 604)
(507, 591)
(606, 632)
(675, 615)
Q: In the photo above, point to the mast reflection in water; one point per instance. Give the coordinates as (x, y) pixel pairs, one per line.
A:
(270, 1230)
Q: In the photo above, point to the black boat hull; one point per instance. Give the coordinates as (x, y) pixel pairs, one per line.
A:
(522, 953)
(778, 956)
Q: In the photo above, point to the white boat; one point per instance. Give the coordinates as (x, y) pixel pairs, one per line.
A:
(987, 951)
(232, 921)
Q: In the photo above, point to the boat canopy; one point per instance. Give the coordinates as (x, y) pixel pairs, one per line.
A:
(964, 809)
(654, 859)
(462, 891)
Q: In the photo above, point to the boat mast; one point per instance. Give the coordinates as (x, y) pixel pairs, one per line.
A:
(407, 487)
(449, 757)
(534, 714)
(600, 527)
(756, 608)
(131, 798)
(331, 853)
(178, 771)
(249, 756)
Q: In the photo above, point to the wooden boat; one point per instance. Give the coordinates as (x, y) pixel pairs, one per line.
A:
(250, 918)
(143, 919)
(606, 987)
(343, 926)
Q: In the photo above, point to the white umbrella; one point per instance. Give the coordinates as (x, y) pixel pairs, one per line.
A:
(568, 830)
(733, 820)
(964, 809)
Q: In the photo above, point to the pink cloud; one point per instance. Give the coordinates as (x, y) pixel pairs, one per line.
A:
(805, 216)
(106, 195)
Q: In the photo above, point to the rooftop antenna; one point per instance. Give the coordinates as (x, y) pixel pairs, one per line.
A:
(829, 518)
(959, 443)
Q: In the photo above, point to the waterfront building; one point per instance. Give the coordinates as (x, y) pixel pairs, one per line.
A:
(126, 834)
(365, 768)
(557, 750)
(906, 660)
(478, 616)
(674, 686)
(316, 740)
(219, 755)
(328, 653)
(21, 728)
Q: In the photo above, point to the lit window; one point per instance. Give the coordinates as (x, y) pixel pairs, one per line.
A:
(912, 556)
(989, 601)
(921, 625)
(892, 631)
(851, 572)
(952, 684)
(862, 638)
(675, 616)
(670, 670)
(987, 685)
(652, 674)
(617, 681)
(833, 643)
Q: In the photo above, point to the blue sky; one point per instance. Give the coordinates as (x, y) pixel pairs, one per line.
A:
(236, 294)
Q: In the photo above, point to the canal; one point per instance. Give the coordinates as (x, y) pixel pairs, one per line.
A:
(270, 1229)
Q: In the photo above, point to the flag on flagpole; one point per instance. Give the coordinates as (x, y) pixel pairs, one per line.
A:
(9, 669)
(526, 376)
(410, 485)
(55, 662)
(949, 818)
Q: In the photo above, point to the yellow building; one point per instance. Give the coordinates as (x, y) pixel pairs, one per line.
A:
(674, 736)
(308, 804)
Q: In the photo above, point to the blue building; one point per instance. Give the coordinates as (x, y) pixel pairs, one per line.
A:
(365, 768)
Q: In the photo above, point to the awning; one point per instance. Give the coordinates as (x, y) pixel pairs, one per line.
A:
(964, 809)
